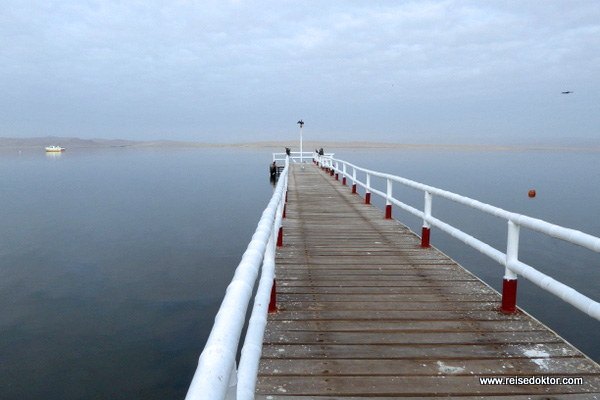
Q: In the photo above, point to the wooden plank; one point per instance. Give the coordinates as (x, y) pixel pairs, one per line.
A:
(407, 326)
(398, 385)
(399, 298)
(387, 306)
(559, 396)
(276, 337)
(423, 351)
(381, 315)
(373, 283)
(385, 290)
(458, 367)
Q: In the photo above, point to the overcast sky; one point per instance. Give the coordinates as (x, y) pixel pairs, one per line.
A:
(481, 72)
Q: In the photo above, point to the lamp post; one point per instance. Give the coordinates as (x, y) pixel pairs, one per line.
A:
(301, 123)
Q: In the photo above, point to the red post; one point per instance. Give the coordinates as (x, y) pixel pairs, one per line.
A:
(388, 212)
(273, 302)
(344, 181)
(286, 196)
(425, 234)
(280, 237)
(368, 198)
(354, 188)
(337, 177)
(509, 296)
(331, 172)
(283, 216)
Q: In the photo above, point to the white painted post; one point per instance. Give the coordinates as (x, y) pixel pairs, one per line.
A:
(301, 143)
(509, 284)
(388, 203)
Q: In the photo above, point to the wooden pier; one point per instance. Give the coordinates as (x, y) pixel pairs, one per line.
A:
(365, 312)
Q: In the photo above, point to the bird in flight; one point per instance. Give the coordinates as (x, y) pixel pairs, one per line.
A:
(570, 91)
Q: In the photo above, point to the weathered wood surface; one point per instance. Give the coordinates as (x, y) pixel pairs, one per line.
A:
(365, 312)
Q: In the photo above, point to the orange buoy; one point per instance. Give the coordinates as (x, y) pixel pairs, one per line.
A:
(532, 193)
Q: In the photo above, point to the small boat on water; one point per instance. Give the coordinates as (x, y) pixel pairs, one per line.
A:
(54, 149)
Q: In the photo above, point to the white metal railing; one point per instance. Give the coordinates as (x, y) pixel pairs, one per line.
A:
(216, 377)
(296, 156)
(513, 266)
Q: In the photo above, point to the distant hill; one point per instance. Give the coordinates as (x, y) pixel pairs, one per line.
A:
(70, 143)
(64, 142)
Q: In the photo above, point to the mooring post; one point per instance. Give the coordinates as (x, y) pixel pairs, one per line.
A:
(426, 231)
(509, 284)
(388, 203)
(344, 173)
(353, 180)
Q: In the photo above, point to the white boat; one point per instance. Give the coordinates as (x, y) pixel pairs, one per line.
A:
(54, 149)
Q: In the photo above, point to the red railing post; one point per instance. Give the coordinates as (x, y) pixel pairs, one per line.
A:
(509, 283)
(509, 296)
(388, 203)
(273, 301)
(425, 235)
(368, 190)
(426, 232)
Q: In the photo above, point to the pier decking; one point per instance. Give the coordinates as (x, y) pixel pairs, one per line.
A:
(365, 312)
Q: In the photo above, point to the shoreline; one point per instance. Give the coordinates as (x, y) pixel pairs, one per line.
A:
(76, 143)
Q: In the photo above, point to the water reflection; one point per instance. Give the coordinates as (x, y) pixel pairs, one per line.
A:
(53, 155)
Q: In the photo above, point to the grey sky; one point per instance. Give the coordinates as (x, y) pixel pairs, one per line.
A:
(446, 72)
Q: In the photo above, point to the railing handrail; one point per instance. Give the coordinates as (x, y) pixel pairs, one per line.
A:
(567, 234)
(515, 220)
(216, 376)
(308, 155)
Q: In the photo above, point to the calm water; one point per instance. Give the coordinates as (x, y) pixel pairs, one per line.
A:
(113, 262)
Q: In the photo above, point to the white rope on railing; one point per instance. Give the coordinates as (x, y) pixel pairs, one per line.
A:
(216, 366)
(513, 266)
